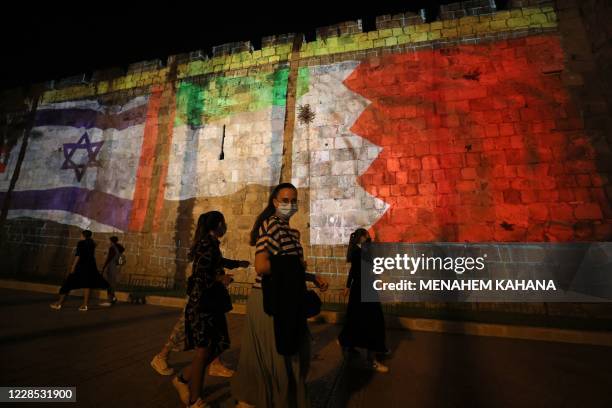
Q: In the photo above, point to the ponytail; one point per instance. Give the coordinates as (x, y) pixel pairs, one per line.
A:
(353, 240)
(206, 223)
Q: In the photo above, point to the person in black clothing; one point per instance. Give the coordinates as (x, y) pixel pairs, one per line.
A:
(112, 268)
(84, 273)
(364, 325)
(208, 300)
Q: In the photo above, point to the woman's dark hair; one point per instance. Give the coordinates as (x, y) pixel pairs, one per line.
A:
(206, 223)
(353, 241)
(268, 211)
(87, 233)
(114, 239)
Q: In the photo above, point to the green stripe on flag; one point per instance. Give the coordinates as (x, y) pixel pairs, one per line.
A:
(200, 103)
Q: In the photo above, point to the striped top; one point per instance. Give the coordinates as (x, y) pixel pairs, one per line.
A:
(278, 238)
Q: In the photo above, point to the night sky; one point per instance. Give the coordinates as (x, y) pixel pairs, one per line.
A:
(45, 44)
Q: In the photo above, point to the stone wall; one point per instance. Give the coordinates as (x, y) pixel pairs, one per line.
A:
(484, 126)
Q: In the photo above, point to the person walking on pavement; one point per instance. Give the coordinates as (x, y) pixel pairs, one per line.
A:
(112, 267)
(364, 323)
(176, 340)
(265, 378)
(206, 328)
(83, 273)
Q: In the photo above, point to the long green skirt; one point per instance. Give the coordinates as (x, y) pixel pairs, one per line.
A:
(265, 378)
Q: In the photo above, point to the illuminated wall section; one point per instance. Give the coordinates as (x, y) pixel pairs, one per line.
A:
(479, 143)
(82, 163)
(237, 118)
(480, 127)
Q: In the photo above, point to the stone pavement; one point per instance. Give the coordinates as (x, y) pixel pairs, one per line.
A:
(105, 353)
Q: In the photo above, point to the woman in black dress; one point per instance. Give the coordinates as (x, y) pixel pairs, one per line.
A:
(208, 301)
(84, 273)
(364, 325)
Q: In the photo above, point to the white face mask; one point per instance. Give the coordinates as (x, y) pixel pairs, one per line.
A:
(286, 210)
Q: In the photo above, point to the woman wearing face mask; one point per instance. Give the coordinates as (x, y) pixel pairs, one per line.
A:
(364, 324)
(208, 301)
(266, 378)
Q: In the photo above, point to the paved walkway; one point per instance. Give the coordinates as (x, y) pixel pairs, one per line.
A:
(105, 353)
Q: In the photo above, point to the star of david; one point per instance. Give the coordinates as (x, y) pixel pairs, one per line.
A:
(92, 152)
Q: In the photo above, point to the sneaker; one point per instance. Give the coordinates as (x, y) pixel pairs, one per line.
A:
(378, 367)
(216, 369)
(83, 308)
(160, 365)
(106, 304)
(55, 306)
(183, 390)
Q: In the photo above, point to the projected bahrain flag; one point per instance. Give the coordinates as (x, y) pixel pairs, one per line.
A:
(479, 143)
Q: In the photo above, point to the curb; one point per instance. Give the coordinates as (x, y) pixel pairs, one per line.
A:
(603, 338)
(101, 294)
